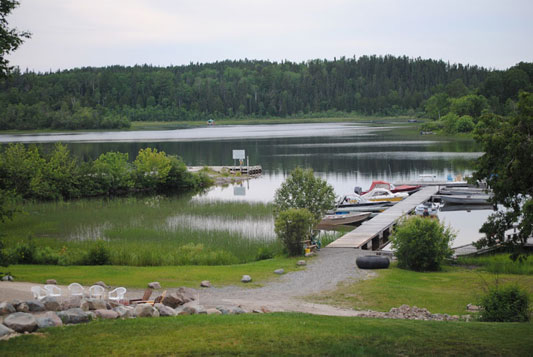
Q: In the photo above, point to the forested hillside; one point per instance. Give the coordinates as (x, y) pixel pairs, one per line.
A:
(111, 97)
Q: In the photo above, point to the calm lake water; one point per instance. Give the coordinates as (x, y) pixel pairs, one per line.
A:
(346, 155)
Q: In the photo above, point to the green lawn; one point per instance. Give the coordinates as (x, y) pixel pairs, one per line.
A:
(448, 291)
(168, 276)
(276, 334)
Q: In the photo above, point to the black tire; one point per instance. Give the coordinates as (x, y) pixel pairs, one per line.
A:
(372, 262)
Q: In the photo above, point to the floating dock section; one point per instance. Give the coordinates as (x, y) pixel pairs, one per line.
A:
(243, 170)
(374, 234)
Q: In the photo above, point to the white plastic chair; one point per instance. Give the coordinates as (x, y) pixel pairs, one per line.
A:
(53, 290)
(96, 291)
(38, 292)
(75, 289)
(117, 294)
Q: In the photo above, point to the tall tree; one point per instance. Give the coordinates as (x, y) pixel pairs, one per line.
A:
(506, 167)
(10, 38)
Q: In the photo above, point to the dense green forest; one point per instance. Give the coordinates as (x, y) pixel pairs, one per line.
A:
(112, 97)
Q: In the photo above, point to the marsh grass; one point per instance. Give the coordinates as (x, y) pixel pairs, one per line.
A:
(499, 264)
(136, 230)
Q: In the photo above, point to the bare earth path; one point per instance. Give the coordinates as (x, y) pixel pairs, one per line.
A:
(330, 267)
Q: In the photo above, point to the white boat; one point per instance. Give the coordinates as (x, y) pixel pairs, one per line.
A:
(354, 199)
(427, 209)
(382, 194)
(464, 199)
(341, 218)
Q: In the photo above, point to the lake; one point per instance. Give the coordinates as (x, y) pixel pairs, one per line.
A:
(346, 155)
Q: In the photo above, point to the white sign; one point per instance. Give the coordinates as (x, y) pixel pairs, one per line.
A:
(238, 155)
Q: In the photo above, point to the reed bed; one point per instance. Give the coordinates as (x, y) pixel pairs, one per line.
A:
(500, 264)
(148, 231)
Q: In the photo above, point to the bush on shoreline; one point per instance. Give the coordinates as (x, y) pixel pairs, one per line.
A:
(32, 174)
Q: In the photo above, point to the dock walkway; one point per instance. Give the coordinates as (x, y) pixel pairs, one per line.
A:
(373, 234)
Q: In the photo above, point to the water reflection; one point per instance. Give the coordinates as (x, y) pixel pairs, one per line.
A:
(255, 229)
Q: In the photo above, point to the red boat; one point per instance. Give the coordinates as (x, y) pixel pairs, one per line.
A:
(389, 186)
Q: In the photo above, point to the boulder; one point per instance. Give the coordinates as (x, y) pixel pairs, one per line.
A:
(21, 322)
(165, 310)
(6, 308)
(154, 285)
(188, 294)
(173, 300)
(223, 310)
(124, 311)
(51, 281)
(190, 310)
(145, 310)
(71, 303)
(205, 284)
(7, 278)
(93, 304)
(237, 310)
(265, 310)
(106, 314)
(246, 279)
(51, 303)
(102, 284)
(301, 263)
(50, 319)
(74, 316)
(35, 305)
(279, 271)
(4, 331)
(23, 307)
(471, 307)
(213, 312)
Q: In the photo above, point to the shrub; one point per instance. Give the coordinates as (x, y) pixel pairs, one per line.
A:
(98, 254)
(421, 244)
(293, 226)
(264, 253)
(465, 124)
(505, 304)
(23, 253)
(46, 255)
(303, 190)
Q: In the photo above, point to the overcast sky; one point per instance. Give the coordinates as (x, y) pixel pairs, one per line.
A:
(79, 33)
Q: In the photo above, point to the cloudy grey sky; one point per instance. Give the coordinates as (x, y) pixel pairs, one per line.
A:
(78, 33)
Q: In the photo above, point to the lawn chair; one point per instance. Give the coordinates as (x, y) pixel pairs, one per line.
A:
(117, 294)
(76, 289)
(38, 292)
(144, 299)
(53, 290)
(96, 292)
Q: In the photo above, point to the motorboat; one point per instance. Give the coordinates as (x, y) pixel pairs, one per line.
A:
(354, 199)
(464, 199)
(462, 191)
(392, 188)
(342, 218)
(427, 209)
(382, 194)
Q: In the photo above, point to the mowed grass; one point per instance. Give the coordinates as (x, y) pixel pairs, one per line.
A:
(448, 291)
(140, 231)
(168, 276)
(276, 334)
(499, 264)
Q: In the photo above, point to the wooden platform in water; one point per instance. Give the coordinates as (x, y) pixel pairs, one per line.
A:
(374, 233)
(244, 170)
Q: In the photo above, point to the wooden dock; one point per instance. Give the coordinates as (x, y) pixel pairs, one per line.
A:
(373, 234)
(243, 170)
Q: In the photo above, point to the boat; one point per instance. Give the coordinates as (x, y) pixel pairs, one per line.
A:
(342, 218)
(392, 188)
(355, 200)
(464, 199)
(467, 208)
(382, 194)
(462, 191)
(427, 209)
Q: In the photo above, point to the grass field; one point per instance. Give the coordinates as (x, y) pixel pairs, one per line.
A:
(168, 276)
(448, 291)
(144, 231)
(499, 264)
(276, 334)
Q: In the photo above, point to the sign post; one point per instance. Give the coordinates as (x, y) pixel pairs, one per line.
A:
(239, 155)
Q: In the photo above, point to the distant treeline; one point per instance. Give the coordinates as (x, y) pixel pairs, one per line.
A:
(30, 173)
(112, 97)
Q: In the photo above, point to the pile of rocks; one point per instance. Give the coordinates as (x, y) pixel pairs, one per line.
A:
(412, 313)
(18, 317)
